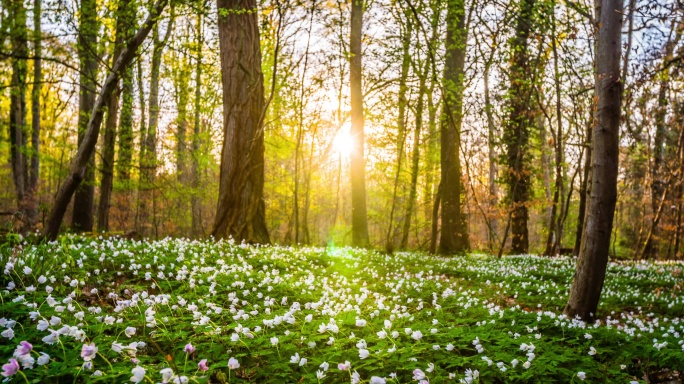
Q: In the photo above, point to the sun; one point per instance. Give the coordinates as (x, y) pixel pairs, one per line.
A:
(344, 143)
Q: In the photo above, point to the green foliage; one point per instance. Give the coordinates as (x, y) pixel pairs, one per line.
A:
(270, 308)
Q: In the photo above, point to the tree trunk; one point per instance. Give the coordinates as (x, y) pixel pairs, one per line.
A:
(401, 127)
(85, 152)
(492, 157)
(195, 202)
(32, 209)
(415, 156)
(84, 199)
(553, 243)
(17, 120)
(584, 191)
(593, 258)
(240, 211)
(148, 170)
(360, 236)
(108, 151)
(517, 132)
(454, 236)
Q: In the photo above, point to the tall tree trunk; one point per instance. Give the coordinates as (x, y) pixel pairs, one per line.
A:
(123, 14)
(35, 114)
(553, 243)
(84, 199)
(240, 210)
(593, 258)
(195, 202)
(415, 156)
(401, 126)
(181, 85)
(360, 236)
(517, 132)
(148, 170)
(584, 190)
(125, 158)
(85, 152)
(492, 157)
(17, 120)
(454, 235)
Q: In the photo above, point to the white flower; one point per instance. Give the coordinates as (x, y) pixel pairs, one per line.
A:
(130, 331)
(450, 347)
(581, 375)
(592, 351)
(52, 338)
(417, 335)
(302, 362)
(233, 363)
(430, 368)
(295, 358)
(514, 363)
(27, 270)
(382, 334)
(356, 378)
(167, 374)
(363, 353)
(360, 323)
(377, 380)
(138, 374)
(320, 375)
(8, 333)
(43, 359)
(527, 365)
(588, 336)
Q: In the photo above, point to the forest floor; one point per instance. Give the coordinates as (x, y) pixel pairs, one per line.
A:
(116, 310)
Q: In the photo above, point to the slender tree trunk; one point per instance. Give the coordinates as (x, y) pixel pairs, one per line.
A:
(125, 158)
(454, 235)
(148, 170)
(415, 156)
(492, 157)
(593, 258)
(85, 151)
(584, 190)
(35, 115)
(401, 127)
(553, 243)
(240, 211)
(17, 120)
(84, 199)
(195, 202)
(360, 236)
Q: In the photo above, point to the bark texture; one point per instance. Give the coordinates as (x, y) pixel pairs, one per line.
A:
(241, 210)
(593, 258)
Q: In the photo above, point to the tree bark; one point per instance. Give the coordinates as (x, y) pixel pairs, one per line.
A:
(360, 236)
(454, 235)
(84, 199)
(517, 132)
(240, 210)
(195, 202)
(17, 118)
(34, 175)
(593, 258)
(85, 152)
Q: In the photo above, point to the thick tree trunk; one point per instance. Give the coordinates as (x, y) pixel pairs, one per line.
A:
(84, 199)
(593, 258)
(360, 236)
(454, 235)
(240, 211)
(517, 132)
(85, 152)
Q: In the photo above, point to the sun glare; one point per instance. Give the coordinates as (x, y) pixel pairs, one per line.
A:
(344, 144)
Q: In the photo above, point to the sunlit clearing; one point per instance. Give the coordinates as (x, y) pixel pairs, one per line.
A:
(344, 144)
